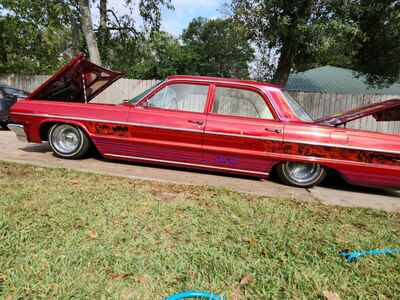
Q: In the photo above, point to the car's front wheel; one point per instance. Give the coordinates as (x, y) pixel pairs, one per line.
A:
(301, 174)
(68, 141)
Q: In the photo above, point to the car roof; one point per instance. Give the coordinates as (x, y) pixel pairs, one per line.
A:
(223, 80)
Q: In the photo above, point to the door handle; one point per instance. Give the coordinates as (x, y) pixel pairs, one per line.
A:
(278, 131)
(196, 122)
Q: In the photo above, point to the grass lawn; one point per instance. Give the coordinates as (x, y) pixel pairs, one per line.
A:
(67, 234)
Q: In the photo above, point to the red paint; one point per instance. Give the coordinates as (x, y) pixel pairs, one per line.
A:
(226, 143)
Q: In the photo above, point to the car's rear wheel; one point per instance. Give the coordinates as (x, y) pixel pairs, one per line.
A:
(301, 174)
(68, 141)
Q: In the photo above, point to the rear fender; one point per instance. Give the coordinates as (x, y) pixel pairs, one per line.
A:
(45, 126)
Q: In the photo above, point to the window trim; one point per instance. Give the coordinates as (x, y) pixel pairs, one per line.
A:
(263, 96)
(142, 103)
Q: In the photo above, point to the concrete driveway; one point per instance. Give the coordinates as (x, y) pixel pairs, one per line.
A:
(334, 192)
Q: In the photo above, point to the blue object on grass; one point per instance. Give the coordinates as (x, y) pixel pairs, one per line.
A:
(352, 256)
(195, 294)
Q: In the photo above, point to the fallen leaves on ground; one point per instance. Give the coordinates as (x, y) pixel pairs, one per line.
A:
(116, 276)
(331, 295)
(143, 279)
(92, 234)
(246, 280)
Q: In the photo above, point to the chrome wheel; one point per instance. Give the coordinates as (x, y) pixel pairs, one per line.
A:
(68, 141)
(301, 174)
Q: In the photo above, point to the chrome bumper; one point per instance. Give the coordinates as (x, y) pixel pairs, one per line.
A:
(19, 132)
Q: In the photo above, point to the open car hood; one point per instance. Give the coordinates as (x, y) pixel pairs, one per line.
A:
(384, 111)
(78, 81)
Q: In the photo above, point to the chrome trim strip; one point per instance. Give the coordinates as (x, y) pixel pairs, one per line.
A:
(19, 132)
(246, 136)
(111, 122)
(211, 132)
(217, 81)
(184, 164)
(341, 146)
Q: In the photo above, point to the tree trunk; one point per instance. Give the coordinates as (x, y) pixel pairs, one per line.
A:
(103, 34)
(290, 43)
(103, 14)
(75, 35)
(285, 64)
(87, 28)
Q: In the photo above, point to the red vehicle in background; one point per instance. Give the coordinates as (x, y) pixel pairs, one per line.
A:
(226, 125)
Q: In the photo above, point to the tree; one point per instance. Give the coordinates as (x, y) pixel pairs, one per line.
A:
(377, 44)
(217, 48)
(52, 32)
(300, 34)
(149, 10)
(87, 28)
(289, 27)
(33, 35)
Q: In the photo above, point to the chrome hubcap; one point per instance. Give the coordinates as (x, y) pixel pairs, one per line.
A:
(303, 173)
(66, 139)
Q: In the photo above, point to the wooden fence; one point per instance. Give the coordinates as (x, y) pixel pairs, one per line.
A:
(316, 104)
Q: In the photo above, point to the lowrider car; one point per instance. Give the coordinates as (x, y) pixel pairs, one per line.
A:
(226, 125)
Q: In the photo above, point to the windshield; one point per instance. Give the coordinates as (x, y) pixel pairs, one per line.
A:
(297, 108)
(139, 97)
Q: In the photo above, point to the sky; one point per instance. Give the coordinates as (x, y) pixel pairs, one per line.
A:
(174, 21)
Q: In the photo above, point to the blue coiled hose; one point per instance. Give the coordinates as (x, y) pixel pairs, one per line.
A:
(352, 256)
(194, 295)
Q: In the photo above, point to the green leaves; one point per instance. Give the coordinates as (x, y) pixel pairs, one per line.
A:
(361, 35)
(218, 47)
(33, 35)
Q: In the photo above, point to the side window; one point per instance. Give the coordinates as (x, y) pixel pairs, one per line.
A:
(240, 102)
(185, 97)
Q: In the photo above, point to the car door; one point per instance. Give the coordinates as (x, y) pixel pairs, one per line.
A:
(242, 133)
(169, 126)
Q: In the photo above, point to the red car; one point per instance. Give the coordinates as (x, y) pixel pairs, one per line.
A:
(208, 123)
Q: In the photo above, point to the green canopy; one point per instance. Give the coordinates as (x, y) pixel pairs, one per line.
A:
(334, 80)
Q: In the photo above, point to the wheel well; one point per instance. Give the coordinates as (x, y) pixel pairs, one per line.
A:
(44, 130)
(273, 172)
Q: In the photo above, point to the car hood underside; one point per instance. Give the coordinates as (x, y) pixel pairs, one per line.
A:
(384, 111)
(78, 81)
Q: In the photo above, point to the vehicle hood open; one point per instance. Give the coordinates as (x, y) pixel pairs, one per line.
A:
(384, 111)
(78, 81)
